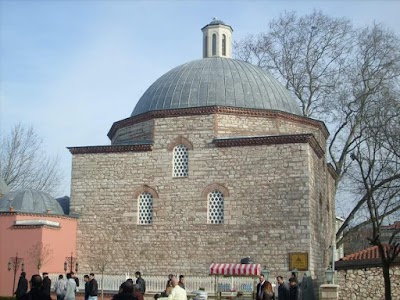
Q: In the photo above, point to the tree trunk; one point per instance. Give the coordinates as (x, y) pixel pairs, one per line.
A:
(386, 277)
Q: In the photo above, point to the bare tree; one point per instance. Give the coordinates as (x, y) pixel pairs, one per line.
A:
(40, 255)
(377, 177)
(339, 74)
(24, 163)
(100, 261)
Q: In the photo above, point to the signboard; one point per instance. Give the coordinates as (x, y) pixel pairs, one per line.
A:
(298, 260)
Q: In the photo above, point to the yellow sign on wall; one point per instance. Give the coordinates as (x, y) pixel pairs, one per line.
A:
(298, 260)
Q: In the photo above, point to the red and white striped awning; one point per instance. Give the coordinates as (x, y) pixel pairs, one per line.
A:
(236, 269)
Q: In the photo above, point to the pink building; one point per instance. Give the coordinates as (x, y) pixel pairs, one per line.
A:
(33, 227)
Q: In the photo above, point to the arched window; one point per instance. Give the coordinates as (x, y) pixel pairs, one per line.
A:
(216, 207)
(205, 46)
(224, 45)
(214, 44)
(145, 215)
(180, 161)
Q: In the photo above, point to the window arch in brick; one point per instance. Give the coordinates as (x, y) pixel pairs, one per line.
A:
(180, 163)
(145, 211)
(215, 209)
(145, 196)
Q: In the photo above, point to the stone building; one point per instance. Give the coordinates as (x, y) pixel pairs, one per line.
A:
(215, 163)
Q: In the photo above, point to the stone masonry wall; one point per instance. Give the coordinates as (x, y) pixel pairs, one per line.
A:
(367, 284)
(136, 132)
(267, 211)
(230, 125)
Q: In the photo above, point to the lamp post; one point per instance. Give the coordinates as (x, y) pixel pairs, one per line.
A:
(329, 275)
(70, 261)
(14, 263)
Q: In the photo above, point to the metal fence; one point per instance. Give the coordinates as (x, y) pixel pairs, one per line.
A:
(156, 284)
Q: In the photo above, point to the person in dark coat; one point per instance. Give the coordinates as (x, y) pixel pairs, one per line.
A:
(294, 293)
(127, 292)
(46, 285)
(87, 291)
(22, 287)
(140, 281)
(283, 289)
(260, 287)
(36, 292)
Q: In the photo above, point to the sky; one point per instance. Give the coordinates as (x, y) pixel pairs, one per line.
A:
(72, 68)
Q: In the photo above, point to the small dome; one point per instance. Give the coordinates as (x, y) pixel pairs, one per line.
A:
(215, 21)
(30, 201)
(216, 81)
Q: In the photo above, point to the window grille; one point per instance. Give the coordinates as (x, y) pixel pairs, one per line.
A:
(145, 208)
(181, 161)
(216, 207)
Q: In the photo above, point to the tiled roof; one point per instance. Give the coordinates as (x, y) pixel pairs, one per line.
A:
(395, 225)
(368, 253)
(367, 258)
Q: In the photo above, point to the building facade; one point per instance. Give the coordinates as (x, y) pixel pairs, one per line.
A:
(215, 163)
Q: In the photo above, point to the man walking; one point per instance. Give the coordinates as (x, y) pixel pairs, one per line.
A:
(93, 287)
(60, 287)
(283, 289)
(140, 281)
(22, 287)
(71, 288)
(260, 287)
(177, 292)
(46, 285)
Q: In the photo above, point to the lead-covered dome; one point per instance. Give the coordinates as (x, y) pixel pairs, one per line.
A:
(30, 201)
(216, 81)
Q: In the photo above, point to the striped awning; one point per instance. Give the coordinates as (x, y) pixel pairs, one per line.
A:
(235, 269)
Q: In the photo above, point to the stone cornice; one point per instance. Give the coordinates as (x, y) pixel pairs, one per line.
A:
(271, 140)
(208, 110)
(110, 149)
(34, 227)
(332, 171)
(7, 213)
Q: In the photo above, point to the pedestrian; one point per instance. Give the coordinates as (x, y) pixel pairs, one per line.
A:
(71, 288)
(46, 284)
(260, 287)
(182, 281)
(74, 277)
(127, 292)
(283, 289)
(168, 287)
(268, 293)
(36, 292)
(177, 293)
(294, 293)
(86, 280)
(22, 287)
(60, 287)
(140, 281)
(93, 287)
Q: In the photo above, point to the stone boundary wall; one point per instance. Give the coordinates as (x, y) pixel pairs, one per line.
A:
(366, 283)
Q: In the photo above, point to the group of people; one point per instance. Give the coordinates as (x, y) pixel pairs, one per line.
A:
(40, 288)
(286, 291)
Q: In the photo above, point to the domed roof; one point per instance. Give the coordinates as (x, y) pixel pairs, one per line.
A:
(216, 81)
(30, 201)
